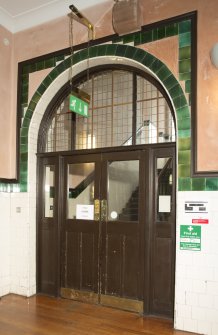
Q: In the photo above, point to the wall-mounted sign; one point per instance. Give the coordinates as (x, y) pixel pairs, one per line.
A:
(196, 212)
(85, 212)
(190, 237)
(79, 106)
(196, 206)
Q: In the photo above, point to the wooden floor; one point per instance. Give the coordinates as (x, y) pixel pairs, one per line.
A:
(44, 315)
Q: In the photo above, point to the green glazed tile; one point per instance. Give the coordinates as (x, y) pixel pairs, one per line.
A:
(25, 79)
(36, 97)
(40, 65)
(83, 54)
(184, 157)
(32, 106)
(156, 65)
(185, 66)
(184, 133)
(184, 170)
(190, 99)
(24, 156)
(185, 53)
(59, 58)
(175, 91)
(184, 40)
(93, 51)
(41, 90)
(185, 26)
(148, 60)
(53, 74)
(128, 38)
(24, 98)
(24, 131)
(26, 122)
(171, 29)
(188, 86)
(137, 39)
(117, 40)
(211, 184)
(32, 67)
(198, 184)
(129, 52)
(23, 140)
(182, 113)
(170, 82)
(15, 188)
(120, 50)
(146, 37)
(61, 67)
(185, 76)
(29, 114)
(50, 63)
(23, 187)
(102, 49)
(25, 69)
(76, 57)
(184, 184)
(154, 34)
(163, 73)
(161, 33)
(180, 101)
(47, 81)
(184, 143)
(23, 147)
(185, 123)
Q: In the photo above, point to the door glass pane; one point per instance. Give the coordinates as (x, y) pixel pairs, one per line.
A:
(164, 191)
(49, 191)
(81, 191)
(123, 190)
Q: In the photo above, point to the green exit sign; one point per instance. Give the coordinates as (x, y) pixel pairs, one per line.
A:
(79, 106)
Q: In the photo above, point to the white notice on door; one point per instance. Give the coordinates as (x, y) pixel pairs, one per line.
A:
(85, 212)
(164, 204)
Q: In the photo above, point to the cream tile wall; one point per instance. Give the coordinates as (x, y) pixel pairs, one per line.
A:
(5, 276)
(196, 289)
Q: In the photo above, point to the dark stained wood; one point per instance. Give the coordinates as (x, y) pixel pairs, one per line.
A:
(163, 240)
(41, 315)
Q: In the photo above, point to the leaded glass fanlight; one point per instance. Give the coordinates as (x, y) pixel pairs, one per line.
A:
(125, 109)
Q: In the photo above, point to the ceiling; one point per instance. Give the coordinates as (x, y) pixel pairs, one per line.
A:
(17, 15)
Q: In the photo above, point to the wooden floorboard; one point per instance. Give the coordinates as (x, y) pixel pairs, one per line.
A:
(49, 316)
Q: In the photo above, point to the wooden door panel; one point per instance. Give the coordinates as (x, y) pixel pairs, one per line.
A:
(163, 232)
(162, 284)
(48, 246)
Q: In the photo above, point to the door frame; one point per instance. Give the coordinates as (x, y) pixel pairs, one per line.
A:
(147, 211)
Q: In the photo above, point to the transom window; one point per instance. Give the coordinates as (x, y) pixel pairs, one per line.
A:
(125, 109)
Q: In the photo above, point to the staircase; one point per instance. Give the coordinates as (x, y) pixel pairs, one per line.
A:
(130, 211)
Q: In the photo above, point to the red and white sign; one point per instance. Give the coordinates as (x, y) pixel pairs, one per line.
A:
(200, 221)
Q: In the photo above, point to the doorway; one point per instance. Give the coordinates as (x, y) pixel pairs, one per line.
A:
(106, 229)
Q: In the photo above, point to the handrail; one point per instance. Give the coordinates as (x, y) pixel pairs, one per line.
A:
(75, 192)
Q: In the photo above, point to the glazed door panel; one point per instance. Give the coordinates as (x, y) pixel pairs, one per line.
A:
(80, 242)
(163, 233)
(48, 231)
(101, 255)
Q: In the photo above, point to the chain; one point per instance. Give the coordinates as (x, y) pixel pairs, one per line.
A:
(71, 52)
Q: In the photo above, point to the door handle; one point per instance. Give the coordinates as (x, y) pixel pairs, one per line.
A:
(96, 209)
(103, 210)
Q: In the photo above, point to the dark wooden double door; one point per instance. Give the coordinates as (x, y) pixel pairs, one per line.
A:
(106, 228)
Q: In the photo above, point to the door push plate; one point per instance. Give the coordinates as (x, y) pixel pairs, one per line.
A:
(103, 210)
(97, 210)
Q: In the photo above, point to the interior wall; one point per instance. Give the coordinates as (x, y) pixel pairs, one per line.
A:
(6, 99)
(42, 39)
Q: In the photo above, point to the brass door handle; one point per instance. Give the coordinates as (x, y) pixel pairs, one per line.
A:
(103, 210)
(96, 209)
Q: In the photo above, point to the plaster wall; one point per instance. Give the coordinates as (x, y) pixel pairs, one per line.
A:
(54, 36)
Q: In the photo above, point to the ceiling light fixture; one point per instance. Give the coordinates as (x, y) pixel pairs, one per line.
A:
(126, 16)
